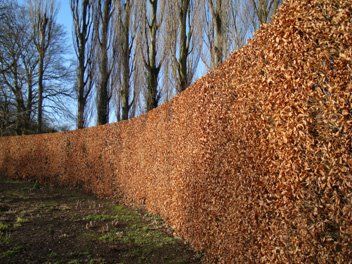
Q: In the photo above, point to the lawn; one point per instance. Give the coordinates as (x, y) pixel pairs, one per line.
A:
(42, 224)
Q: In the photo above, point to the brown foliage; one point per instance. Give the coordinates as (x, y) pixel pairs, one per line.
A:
(252, 164)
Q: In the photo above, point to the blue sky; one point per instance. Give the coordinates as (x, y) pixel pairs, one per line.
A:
(64, 18)
(64, 15)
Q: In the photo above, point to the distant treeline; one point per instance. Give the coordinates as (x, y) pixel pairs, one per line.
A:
(131, 56)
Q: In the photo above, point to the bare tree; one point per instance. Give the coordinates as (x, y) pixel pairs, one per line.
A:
(52, 71)
(82, 13)
(7, 119)
(3, 8)
(184, 45)
(152, 14)
(217, 10)
(222, 28)
(185, 31)
(43, 18)
(30, 64)
(104, 11)
(263, 10)
(140, 52)
(4, 5)
(126, 30)
(17, 63)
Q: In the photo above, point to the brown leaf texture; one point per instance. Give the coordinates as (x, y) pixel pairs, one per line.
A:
(252, 164)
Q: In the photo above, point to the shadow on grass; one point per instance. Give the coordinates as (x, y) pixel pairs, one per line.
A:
(40, 224)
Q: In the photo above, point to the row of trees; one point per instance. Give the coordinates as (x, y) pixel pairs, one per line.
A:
(131, 55)
(147, 51)
(31, 67)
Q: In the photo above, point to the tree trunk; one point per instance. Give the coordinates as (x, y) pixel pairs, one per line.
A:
(103, 100)
(184, 49)
(80, 110)
(152, 100)
(125, 91)
(81, 22)
(29, 102)
(80, 83)
(40, 93)
(218, 47)
(219, 40)
(152, 68)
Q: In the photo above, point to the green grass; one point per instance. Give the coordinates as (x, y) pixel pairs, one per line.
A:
(143, 241)
(5, 238)
(110, 237)
(3, 226)
(12, 252)
(144, 237)
(132, 234)
(126, 215)
(20, 221)
(120, 213)
(137, 232)
(99, 217)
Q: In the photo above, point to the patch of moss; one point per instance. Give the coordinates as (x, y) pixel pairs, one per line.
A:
(139, 236)
(52, 254)
(20, 221)
(120, 213)
(98, 217)
(143, 237)
(88, 235)
(12, 252)
(109, 237)
(3, 226)
(36, 186)
(126, 215)
(5, 238)
(137, 232)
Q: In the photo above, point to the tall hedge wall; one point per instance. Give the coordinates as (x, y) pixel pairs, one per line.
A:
(251, 164)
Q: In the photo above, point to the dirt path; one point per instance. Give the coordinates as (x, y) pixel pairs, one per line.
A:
(52, 225)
